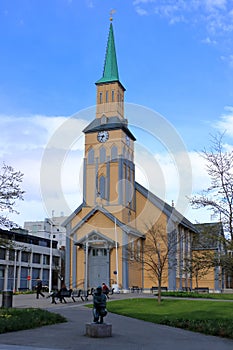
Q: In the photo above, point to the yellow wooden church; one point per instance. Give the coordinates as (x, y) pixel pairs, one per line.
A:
(120, 224)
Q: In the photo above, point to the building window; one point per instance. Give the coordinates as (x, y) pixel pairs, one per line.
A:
(2, 254)
(90, 156)
(103, 119)
(102, 187)
(36, 258)
(45, 259)
(138, 249)
(113, 97)
(101, 97)
(11, 255)
(25, 257)
(55, 261)
(99, 252)
(132, 250)
(114, 152)
(106, 96)
(102, 155)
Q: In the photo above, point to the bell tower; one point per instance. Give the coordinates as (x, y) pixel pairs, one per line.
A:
(109, 170)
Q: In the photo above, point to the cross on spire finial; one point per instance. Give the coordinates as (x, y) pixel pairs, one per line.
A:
(111, 13)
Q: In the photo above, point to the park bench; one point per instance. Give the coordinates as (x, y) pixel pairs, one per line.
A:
(78, 294)
(61, 295)
(87, 293)
(202, 290)
(135, 289)
(66, 294)
(154, 289)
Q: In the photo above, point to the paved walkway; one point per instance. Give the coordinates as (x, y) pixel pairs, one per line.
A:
(128, 333)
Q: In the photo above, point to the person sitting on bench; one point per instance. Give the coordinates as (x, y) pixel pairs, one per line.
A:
(58, 294)
(105, 289)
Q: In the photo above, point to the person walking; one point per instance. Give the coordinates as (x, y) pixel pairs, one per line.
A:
(39, 288)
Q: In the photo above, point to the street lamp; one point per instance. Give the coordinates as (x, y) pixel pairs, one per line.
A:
(50, 255)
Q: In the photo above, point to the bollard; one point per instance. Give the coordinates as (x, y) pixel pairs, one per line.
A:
(7, 296)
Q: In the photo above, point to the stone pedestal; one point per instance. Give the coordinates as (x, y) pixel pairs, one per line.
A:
(98, 330)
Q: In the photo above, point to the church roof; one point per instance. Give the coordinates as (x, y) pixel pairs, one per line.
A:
(110, 73)
(210, 236)
(167, 209)
(112, 123)
(126, 228)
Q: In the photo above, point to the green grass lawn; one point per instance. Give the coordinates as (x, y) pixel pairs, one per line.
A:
(222, 296)
(18, 319)
(209, 317)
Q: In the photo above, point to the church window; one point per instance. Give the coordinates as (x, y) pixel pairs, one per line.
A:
(102, 187)
(99, 252)
(123, 152)
(106, 96)
(114, 153)
(138, 249)
(90, 156)
(102, 155)
(132, 250)
(101, 97)
(113, 96)
(103, 119)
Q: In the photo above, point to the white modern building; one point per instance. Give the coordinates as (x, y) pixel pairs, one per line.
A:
(24, 257)
(47, 228)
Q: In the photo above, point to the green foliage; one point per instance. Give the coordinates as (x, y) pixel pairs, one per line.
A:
(220, 296)
(18, 319)
(207, 317)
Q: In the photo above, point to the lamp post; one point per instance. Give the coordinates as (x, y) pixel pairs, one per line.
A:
(50, 255)
(86, 268)
(14, 274)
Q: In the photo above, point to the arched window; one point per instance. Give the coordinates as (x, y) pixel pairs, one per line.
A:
(102, 187)
(138, 248)
(114, 152)
(102, 155)
(106, 96)
(123, 152)
(113, 97)
(101, 97)
(90, 156)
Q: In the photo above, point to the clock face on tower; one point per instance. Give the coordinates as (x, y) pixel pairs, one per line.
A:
(102, 136)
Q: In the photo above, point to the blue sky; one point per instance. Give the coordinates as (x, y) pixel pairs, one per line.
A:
(174, 57)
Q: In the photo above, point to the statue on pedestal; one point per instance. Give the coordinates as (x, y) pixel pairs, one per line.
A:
(99, 305)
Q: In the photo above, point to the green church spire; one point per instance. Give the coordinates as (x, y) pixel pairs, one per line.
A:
(110, 73)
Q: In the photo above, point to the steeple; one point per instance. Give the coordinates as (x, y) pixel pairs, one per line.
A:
(110, 73)
(110, 91)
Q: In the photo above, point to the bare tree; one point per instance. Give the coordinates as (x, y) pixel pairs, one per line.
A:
(157, 248)
(10, 192)
(199, 264)
(218, 197)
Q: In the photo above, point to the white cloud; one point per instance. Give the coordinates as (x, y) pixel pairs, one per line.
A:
(209, 41)
(140, 11)
(22, 144)
(24, 141)
(228, 59)
(225, 123)
(215, 14)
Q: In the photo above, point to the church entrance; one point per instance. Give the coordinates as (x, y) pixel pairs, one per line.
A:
(98, 267)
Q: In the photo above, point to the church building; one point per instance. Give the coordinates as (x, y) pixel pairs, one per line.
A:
(110, 235)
